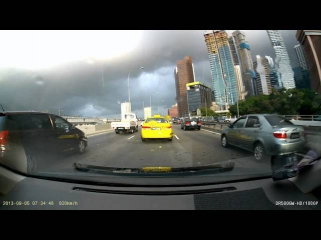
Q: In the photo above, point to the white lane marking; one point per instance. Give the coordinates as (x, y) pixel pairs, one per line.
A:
(98, 134)
(130, 137)
(176, 137)
(211, 132)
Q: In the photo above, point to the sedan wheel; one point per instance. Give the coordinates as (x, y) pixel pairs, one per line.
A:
(81, 147)
(259, 152)
(224, 141)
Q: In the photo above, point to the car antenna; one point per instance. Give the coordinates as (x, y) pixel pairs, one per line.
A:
(2, 107)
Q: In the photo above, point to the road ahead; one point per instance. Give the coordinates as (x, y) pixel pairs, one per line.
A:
(188, 148)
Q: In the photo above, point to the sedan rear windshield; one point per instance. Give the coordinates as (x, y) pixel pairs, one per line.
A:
(278, 120)
(159, 120)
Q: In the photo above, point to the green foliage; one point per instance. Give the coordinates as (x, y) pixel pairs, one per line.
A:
(208, 112)
(283, 102)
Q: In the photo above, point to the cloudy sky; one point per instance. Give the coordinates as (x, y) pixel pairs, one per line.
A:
(85, 72)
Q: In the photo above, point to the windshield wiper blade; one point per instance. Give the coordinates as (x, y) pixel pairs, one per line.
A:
(293, 169)
(223, 166)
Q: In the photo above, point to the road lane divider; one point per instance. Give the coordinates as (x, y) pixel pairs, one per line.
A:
(130, 137)
(176, 137)
(96, 134)
(211, 132)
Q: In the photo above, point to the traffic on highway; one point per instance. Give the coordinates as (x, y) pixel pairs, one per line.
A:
(85, 110)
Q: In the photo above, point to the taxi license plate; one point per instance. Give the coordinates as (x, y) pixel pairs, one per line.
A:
(156, 129)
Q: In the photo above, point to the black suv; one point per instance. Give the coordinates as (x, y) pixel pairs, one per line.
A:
(191, 123)
(25, 135)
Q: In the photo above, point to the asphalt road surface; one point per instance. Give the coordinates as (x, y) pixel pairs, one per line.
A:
(188, 148)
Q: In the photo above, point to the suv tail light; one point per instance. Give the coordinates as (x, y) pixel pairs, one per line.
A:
(280, 135)
(4, 137)
(187, 123)
(199, 123)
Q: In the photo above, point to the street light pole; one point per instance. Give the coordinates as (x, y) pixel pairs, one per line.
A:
(237, 106)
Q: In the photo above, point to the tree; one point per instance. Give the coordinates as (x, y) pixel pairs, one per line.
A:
(284, 102)
(208, 112)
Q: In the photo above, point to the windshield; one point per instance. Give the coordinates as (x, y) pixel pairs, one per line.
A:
(207, 97)
(159, 120)
(278, 121)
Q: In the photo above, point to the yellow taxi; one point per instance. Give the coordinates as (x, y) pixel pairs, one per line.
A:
(157, 127)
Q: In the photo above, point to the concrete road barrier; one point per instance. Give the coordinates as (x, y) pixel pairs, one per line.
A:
(103, 127)
(91, 129)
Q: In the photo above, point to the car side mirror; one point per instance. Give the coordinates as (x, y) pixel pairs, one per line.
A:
(230, 125)
(72, 126)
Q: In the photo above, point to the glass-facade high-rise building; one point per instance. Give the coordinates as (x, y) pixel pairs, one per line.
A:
(301, 73)
(301, 57)
(263, 75)
(282, 59)
(310, 41)
(301, 78)
(245, 60)
(275, 76)
(222, 67)
(198, 96)
(234, 51)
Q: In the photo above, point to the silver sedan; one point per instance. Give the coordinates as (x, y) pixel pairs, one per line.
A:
(265, 135)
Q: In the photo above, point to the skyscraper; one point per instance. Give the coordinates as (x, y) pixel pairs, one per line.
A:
(263, 79)
(240, 86)
(301, 78)
(184, 73)
(222, 66)
(301, 73)
(275, 77)
(245, 59)
(282, 59)
(301, 57)
(234, 51)
(311, 43)
(198, 96)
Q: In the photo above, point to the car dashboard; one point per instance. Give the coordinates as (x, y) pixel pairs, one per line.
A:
(32, 193)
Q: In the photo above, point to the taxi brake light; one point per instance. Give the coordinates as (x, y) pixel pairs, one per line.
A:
(145, 126)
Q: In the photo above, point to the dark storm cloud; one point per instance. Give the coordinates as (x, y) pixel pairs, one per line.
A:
(81, 88)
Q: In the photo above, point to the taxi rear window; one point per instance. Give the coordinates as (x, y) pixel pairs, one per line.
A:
(159, 120)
